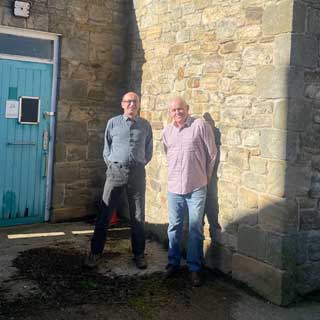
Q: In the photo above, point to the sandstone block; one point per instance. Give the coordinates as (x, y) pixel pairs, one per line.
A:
(65, 214)
(307, 278)
(97, 14)
(233, 137)
(273, 143)
(76, 152)
(118, 55)
(299, 17)
(258, 165)
(210, 17)
(66, 172)
(72, 132)
(248, 199)
(257, 121)
(239, 157)
(296, 50)
(269, 20)
(214, 64)
(243, 87)
(278, 18)
(276, 178)
(281, 250)
(278, 214)
(229, 194)
(60, 152)
(232, 117)
(249, 33)
(241, 101)
(309, 219)
(183, 36)
(257, 55)
(281, 114)
(217, 257)
(75, 49)
(58, 195)
(313, 24)
(298, 179)
(254, 181)
(279, 82)
(299, 114)
(254, 15)
(251, 138)
(96, 93)
(314, 247)
(245, 216)
(262, 107)
(73, 89)
(252, 242)
(95, 146)
(227, 27)
(274, 284)
(77, 195)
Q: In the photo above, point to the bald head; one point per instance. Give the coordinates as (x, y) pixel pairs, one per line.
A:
(179, 111)
(130, 104)
(178, 100)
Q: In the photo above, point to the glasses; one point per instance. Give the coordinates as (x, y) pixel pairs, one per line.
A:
(130, 101)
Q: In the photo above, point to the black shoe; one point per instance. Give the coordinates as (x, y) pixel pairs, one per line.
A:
(141, 262)
(92, 260)
(195, 279)
(172, 270)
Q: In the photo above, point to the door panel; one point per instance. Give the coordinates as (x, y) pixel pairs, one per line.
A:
(22, 156)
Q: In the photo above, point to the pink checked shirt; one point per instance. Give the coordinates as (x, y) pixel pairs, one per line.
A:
(191, 153)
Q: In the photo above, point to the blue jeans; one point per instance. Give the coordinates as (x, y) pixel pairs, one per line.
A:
(193, 203)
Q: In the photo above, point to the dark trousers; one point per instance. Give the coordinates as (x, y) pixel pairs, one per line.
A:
(135, 191)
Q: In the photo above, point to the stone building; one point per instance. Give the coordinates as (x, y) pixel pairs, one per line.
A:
(251, 67)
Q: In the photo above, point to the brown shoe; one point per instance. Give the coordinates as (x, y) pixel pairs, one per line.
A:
(141, 262)
(195, 279)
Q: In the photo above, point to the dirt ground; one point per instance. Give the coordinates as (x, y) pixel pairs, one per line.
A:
(42, 277)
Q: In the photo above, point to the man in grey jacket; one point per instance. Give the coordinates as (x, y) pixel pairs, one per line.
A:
(127, 149)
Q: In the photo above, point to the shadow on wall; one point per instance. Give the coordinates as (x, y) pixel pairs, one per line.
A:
(212, 206)
(135, 53)
(133, 72)
(273, 246)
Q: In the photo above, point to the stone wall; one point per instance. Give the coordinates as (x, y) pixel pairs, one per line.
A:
(249, 65)
(251, 68)
(305, 55)
(91, 81)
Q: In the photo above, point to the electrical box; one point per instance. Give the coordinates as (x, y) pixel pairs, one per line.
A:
(21, 9)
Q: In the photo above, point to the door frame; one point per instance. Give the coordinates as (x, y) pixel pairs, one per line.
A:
(55, 66)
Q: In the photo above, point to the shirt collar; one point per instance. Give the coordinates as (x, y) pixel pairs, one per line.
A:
(187, 123)
(126, 118)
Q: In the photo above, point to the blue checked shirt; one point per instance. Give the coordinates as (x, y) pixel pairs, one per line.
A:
(128, 141)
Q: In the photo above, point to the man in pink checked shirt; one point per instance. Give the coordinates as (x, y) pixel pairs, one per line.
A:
(191, 152)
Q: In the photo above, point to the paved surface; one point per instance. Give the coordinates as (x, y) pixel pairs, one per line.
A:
(217, 299)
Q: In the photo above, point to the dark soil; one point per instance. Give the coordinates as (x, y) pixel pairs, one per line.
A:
(64, 282)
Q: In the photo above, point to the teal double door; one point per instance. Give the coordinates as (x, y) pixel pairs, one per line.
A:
(23, 145)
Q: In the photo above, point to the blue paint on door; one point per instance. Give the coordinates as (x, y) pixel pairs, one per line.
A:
(22, 153)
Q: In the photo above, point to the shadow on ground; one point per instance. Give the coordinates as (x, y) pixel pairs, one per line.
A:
(63, 282)
(44, 278)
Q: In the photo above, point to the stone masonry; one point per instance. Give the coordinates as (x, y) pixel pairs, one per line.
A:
(251, 68)
(251, 65)
(91, 81)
